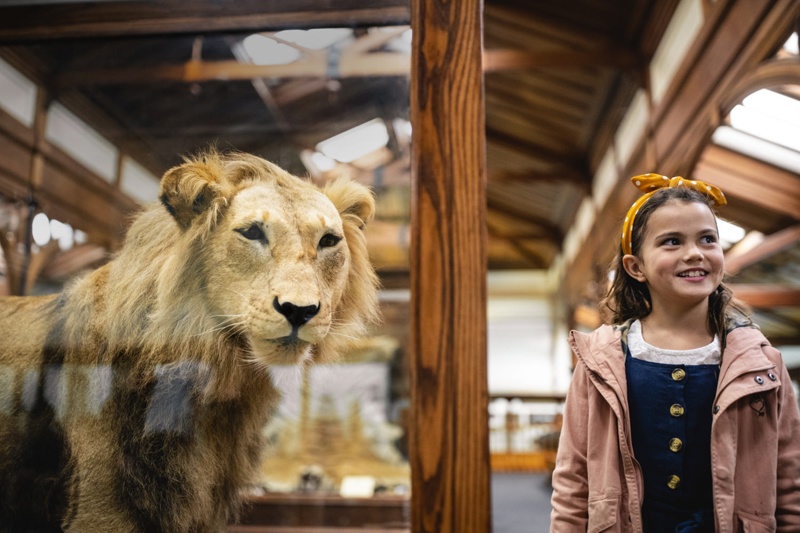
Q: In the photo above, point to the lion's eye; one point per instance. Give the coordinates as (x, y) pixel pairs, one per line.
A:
(254, 233)
(328, 240)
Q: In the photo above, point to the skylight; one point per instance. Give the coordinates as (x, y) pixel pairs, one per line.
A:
(357, 142)
(770, 116)
(791, 45)
(265, 51)
(729, 233)
(315, 39)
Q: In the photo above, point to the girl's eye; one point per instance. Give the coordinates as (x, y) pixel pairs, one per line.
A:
(253, 233)
(672, 241)
(328, 240)
(710, 239)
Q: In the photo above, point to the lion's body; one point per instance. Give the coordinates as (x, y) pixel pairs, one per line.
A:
(135, 400)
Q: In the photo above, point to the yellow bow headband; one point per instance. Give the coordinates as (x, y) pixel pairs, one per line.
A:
(649, 184)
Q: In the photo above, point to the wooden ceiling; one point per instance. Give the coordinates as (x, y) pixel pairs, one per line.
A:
(161, 80)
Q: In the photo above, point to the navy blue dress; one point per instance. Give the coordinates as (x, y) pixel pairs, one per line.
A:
(670, 410)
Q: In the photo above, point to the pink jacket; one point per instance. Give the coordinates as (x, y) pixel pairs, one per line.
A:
(597, 482)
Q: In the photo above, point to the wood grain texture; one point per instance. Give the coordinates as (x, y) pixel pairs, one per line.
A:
(449, 396)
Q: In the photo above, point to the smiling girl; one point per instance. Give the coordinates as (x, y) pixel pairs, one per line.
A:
(681, 417)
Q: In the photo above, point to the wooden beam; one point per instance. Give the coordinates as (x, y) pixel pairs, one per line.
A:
(771, 245)
(312, 66)
(758, 183)
(357, 63)
(573, 175)
(535, 259)
(526, 216)
(501, 138)
(449, 391)
(21, 24)
(507, 16)
(506, 60)
(766, 296)
(538, 235)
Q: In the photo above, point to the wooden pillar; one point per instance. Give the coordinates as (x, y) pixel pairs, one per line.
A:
(449, 392)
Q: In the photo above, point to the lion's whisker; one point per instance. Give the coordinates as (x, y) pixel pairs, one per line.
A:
(220, 327)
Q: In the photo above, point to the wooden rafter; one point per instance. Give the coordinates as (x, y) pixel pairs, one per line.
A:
(770, 246)
(761, 184)
(115, 19)
(526, 216)
(312, 66)
(572, 175)
(765, 296)
(501, 138)
(505, 60)
(357, 63)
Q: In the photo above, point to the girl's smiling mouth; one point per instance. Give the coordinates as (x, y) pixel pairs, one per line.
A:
(697, 273)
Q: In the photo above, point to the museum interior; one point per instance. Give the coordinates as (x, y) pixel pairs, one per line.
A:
(498, 137)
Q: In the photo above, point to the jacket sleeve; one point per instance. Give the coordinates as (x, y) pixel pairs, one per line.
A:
(570, 480)
(787, 512)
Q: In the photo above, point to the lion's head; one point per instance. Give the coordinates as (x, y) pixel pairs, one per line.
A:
(241, 249)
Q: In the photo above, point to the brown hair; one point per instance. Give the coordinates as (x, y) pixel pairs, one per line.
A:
(629, 299)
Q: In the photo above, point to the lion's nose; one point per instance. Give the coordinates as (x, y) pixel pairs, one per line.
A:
(297, 315)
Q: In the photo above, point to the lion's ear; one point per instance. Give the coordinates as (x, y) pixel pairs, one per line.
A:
(188, 190)
(351, 198)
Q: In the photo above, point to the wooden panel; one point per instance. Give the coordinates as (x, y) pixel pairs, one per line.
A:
(449, 396)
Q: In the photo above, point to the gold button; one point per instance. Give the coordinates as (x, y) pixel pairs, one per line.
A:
(678, 374)
(673, 482)
(675, 444)
(676, 410)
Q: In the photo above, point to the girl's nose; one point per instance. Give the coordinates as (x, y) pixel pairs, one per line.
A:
(693, 252)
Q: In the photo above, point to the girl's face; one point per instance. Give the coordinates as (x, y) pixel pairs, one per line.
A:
(680, 258)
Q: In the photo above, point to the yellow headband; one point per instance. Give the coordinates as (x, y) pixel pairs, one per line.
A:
(649, 184)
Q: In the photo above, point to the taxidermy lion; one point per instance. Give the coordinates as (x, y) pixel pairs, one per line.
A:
(135, 400)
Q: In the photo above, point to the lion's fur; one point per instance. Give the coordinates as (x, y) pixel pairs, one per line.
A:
(146, 391)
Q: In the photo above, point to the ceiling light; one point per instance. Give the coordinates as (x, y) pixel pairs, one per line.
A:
(356, 142)
(62, 233)
(315, 39)
(265, 51)
(40, 228)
